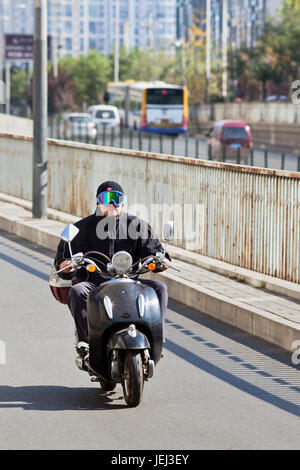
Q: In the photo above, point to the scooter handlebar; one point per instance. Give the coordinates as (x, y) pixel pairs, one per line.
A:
(77, 262)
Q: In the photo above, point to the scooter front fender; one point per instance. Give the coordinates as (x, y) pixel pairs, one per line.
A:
(123, 340)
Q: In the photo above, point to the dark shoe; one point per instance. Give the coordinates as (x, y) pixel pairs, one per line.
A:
(82, 360)
(82, 348)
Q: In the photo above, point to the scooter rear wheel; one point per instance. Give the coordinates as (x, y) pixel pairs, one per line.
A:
(133, 382)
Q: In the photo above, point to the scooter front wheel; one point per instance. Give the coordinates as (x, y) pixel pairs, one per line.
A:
(107, 386)
(133, 382)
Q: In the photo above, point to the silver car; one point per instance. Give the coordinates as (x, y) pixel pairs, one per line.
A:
(79, 125)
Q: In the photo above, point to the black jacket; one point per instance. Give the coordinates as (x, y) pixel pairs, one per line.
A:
(109, 235)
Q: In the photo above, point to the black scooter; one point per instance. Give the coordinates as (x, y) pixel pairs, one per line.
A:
(124, 320)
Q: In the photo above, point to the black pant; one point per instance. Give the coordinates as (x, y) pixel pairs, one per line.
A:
(77, 304)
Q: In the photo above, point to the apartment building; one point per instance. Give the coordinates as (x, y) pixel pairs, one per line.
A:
(245, 19)
(81, 25)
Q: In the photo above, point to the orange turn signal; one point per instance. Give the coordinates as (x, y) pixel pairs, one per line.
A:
(91, 268)
(151, 266)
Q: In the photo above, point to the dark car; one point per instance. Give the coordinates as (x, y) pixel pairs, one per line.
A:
(230, 140)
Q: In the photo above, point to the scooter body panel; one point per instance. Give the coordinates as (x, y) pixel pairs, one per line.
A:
(131, 303)
(123, 340)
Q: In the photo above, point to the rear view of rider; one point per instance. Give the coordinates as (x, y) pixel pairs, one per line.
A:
(108, 230)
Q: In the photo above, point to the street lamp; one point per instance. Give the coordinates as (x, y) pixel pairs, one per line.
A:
(179, 50)
(208, 48)
(224, 51)
(117, 40)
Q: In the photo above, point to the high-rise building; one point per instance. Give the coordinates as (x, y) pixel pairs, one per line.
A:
(189, 12)
(246, 19)
(81, 25)
(16, 16)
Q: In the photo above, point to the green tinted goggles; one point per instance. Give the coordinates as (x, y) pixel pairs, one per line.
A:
(111, 197)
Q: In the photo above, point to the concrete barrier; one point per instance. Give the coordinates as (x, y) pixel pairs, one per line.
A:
(16, 125)
(253, 113)
(274, 125)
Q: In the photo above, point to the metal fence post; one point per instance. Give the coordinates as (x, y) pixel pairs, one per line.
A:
(239, 156)
(252, 157)
(209, 152)
(149, 142)
(51, 128)
(173, 145)
(65, 132)
(72, 131)
(130, 139)
(140, 140)
(266, 158)
(282, 161)
(160, 143)
(58, 136)
(197, 149)
(112, 137)
(186, 150)
(298, 165)
(224, 153)
(121, 137)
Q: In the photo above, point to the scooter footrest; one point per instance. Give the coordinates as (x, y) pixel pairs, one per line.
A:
(95, 379)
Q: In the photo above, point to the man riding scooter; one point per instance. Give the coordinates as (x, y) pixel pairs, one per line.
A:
(108, 230)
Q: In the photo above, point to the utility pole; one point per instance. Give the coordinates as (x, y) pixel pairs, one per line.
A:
(39, 177)
(224, 50)
(208, 49)
(117, 40)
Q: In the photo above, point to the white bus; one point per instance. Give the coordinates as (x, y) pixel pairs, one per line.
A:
(150, 106)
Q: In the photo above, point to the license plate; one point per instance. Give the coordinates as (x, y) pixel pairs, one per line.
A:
(235, 146)
(164, 121)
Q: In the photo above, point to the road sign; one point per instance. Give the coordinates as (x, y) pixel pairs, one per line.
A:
(20, 47)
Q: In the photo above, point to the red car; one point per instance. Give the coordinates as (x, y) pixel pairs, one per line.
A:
(230, 140)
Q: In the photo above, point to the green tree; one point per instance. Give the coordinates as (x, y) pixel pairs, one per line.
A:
(285, 37)
(61, 92)
(18, 86)
(90, 75)
(141, 65)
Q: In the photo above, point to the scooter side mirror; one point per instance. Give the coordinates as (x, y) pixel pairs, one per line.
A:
(168, 231)
(69, 232)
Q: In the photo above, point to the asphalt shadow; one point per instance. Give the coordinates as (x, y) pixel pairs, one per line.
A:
(54, 398)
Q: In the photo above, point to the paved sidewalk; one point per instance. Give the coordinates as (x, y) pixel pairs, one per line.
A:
(269, 315)
(238, 291)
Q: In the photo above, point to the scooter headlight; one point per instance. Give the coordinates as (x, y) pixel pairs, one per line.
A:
(122, 262)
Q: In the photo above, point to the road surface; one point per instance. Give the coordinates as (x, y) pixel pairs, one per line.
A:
(215, 388)
(188, 147)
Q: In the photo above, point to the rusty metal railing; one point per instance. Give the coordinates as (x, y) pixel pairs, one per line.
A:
(246, 216)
